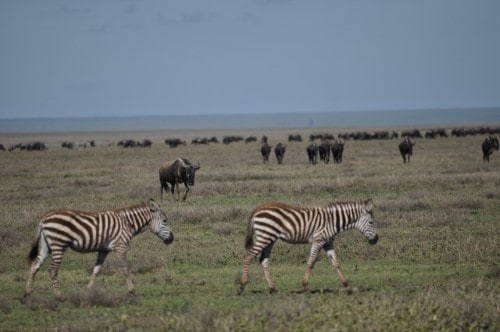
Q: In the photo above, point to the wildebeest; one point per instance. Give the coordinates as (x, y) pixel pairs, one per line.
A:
(279, 151)
(265, 150)
(294, 138)
(250, 139)
(406, 148)
(2, 148)
(337, 151)
(231, 139)
(490, 143)
(324, 151)
(178, 171)
(174, 142)
(312, 153)
(130, 143)
(67, 145)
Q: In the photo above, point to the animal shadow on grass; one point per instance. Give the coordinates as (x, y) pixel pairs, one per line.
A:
(348, 291)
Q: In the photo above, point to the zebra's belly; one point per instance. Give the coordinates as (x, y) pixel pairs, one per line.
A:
(80, 247)
(292, 240)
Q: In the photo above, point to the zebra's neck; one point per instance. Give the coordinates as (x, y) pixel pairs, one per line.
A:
(136, 217)
(343, 215)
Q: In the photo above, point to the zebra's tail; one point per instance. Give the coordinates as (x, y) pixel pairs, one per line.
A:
(34, 251)
(249, 236)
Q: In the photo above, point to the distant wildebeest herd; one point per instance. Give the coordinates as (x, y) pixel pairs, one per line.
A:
(323, 145)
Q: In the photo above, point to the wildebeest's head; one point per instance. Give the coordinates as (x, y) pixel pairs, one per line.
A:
(494, 142)
(188, 171)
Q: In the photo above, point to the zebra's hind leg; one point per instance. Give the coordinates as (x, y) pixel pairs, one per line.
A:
(246, 265)
(316, 247)
(264, 261)
(53, 270)
(101, 256)
(43, 253)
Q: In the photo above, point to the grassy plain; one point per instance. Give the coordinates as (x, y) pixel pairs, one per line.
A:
(436, 265)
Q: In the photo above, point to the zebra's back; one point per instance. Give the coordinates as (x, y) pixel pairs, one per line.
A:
(290, 223)
(82, 230)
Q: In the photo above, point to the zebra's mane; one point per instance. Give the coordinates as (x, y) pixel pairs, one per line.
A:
(332, 205)
(132, 207)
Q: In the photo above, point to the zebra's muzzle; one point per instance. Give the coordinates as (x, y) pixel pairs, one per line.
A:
(374, 240)
(169, 239)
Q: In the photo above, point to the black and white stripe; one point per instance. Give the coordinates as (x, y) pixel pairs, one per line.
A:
(100, 232)
(316, 225)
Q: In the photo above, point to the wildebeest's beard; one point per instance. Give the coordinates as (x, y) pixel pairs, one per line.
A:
(190, 176)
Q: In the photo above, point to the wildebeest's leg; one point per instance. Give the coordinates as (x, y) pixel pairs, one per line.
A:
(101, 256)
(172, 189)
(43, 253)
(316, 247)
(57, 255)
(178, 191)
(163, 185)
(122, 257)
(264, 261)
(330, 252)
(187, 190)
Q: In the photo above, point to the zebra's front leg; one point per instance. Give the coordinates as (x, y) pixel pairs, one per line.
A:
(316, 247)
(336, 264)
(101, 256)
(122, 257)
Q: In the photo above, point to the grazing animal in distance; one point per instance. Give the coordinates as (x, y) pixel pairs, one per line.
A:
(337, 151)
(279, 151)
(312, 153)
(265, 150)
(324, 151)
(100, 232)
(300, 225)
(406, 149)
(178, 171)
(490, 144)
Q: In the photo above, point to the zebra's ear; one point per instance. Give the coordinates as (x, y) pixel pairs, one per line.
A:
(369, 205)
(153, 206)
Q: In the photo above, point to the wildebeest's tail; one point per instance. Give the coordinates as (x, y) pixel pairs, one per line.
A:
(249, 236)
(34, 250)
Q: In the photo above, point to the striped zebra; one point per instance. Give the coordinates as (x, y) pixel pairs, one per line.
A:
(317, 225)
(100, 232)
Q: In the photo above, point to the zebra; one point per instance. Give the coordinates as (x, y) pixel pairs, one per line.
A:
(100, 232)
(317, 225)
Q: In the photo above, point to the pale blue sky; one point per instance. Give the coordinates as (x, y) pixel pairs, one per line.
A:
(141, 57)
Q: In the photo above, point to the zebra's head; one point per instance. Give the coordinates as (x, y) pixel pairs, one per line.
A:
(159, 223)
(366, 222)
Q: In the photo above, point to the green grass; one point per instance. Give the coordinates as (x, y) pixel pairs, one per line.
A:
(436, 265)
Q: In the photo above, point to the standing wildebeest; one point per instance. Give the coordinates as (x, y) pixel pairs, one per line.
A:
(490, 143)
(265, 150)
(406, 148)
(279, 151)
(324, 151)
(337, 151)
(312, 153)
(178, 171)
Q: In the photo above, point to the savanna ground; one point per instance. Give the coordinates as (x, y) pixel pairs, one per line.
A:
(436, 265)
